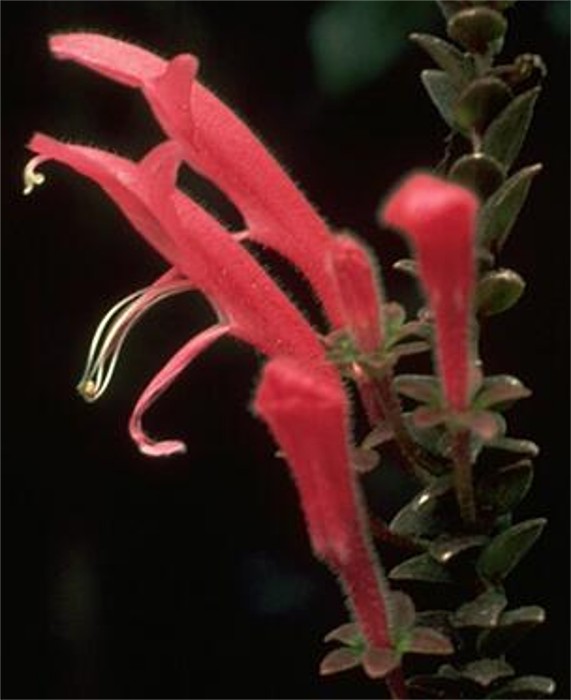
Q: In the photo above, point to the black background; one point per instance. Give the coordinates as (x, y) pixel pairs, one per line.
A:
(192, 577)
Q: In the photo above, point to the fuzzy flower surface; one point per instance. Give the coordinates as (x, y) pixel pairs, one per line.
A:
(439, 219)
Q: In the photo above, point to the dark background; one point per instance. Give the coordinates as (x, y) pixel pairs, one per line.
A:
(192, 577)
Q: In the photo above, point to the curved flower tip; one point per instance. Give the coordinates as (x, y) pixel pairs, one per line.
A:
(126, 63)
(160, 383)
(359, 290)
(440, 220)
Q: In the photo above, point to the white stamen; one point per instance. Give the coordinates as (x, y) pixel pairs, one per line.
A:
(112, 332)
(31, 177)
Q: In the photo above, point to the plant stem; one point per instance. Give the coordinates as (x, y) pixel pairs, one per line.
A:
(463, 475)
(416, 458)
(396, 684)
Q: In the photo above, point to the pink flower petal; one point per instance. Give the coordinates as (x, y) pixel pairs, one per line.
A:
(118, 60)
(160, 383)
(220, 146)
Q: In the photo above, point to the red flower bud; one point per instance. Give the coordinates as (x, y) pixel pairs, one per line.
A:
(359, 291)
(440, 220)
(308, 416)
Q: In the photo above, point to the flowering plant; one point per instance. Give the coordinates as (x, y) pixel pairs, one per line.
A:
(456, 221)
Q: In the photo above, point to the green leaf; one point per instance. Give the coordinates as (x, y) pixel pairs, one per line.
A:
(459, 66)
(438, 686)
(526, 687)
(479, 172)
(424, 515)
(505, 135)
(425, 640)
(500, 389)
(420, 387)
(339, 660)
(420, 568)
(429, 416)
(498, 291)
(522, 447)
(499, 213)
(483, 611)
(484, 672)
(378, 663)
(446, 550)
(504, 489)
(478, 29)
(480, 102)
(511, 628)
(507, 549)
(402, 611)
(443, 92)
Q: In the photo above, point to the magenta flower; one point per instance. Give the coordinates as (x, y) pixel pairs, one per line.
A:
(216, 143)
(248, 304)
(440, 220)
(308, 416)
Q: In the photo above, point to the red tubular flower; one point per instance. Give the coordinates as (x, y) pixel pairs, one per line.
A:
(308, 417)
(248, 303)
(440, 219)
(219, 145)
(359, 291)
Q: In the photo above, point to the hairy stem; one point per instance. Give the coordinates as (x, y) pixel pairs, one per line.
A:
(463, 475)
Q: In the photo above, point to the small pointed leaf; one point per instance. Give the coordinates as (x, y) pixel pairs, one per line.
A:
(412, 348)
(421, 568)
(483, 611)
(526, 687)
(459, 66)
(522, 447)
(512, 627)
(420, 387)
(443, 92)
(425, 640)
(423, 516)
(498, 291)
(505, 135)
(503, 490)
(507, 549)
(499, 213)
(487, 671)
(402, 611)
(378, 436)
(339, 660)
(346, 634)
(378, 663)
(429, 416)
(446, 550)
